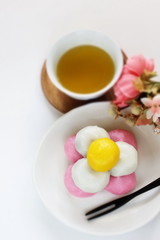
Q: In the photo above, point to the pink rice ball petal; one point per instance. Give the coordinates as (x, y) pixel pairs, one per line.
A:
(70, 150)
(124, 136)
(71, 187)
(121, 185)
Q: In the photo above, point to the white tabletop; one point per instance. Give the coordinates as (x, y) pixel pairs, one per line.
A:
(28, 29)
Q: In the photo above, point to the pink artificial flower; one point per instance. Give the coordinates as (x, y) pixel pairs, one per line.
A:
(154, 107)
(124, 89)
(149, 66)
(137, 64)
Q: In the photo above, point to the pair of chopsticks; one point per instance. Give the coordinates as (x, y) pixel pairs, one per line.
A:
(115, 204)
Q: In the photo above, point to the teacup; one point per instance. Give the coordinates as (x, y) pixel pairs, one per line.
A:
(80, 38)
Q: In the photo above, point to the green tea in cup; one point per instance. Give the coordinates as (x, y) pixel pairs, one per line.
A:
(85, 69)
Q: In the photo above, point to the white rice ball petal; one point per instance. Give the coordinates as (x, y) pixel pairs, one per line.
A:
(87, 179)
(86, 136)
(128, 160)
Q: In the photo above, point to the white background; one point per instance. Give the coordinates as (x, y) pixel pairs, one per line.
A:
(28, 29)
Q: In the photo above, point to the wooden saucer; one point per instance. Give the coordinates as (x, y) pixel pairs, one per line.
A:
(61, 101)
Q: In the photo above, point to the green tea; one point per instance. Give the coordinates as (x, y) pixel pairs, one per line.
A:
(85, 69)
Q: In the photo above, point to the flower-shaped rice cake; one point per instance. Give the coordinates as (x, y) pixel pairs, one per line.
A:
(101, 160)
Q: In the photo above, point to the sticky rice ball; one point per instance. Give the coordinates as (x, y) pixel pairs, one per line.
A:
(103, 154)
(70, 150)
(71, 187)
(87, 179)
(128, 161)
(86, 136)
(123, 136)
(121, 185)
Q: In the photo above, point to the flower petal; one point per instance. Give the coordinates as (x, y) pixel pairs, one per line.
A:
(149, 65)
(121, 99)
(125, 84)
(156, 99)
(125, 70)
(155, 117)
(127, 77)
(149, 114)
(147, 102)
(136, 64)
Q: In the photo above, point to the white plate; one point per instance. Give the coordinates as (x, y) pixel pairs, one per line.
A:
(51, 164)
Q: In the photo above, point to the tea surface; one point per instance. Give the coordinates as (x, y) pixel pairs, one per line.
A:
(85, 69)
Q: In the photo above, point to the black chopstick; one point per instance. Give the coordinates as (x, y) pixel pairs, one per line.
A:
(113, 205)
